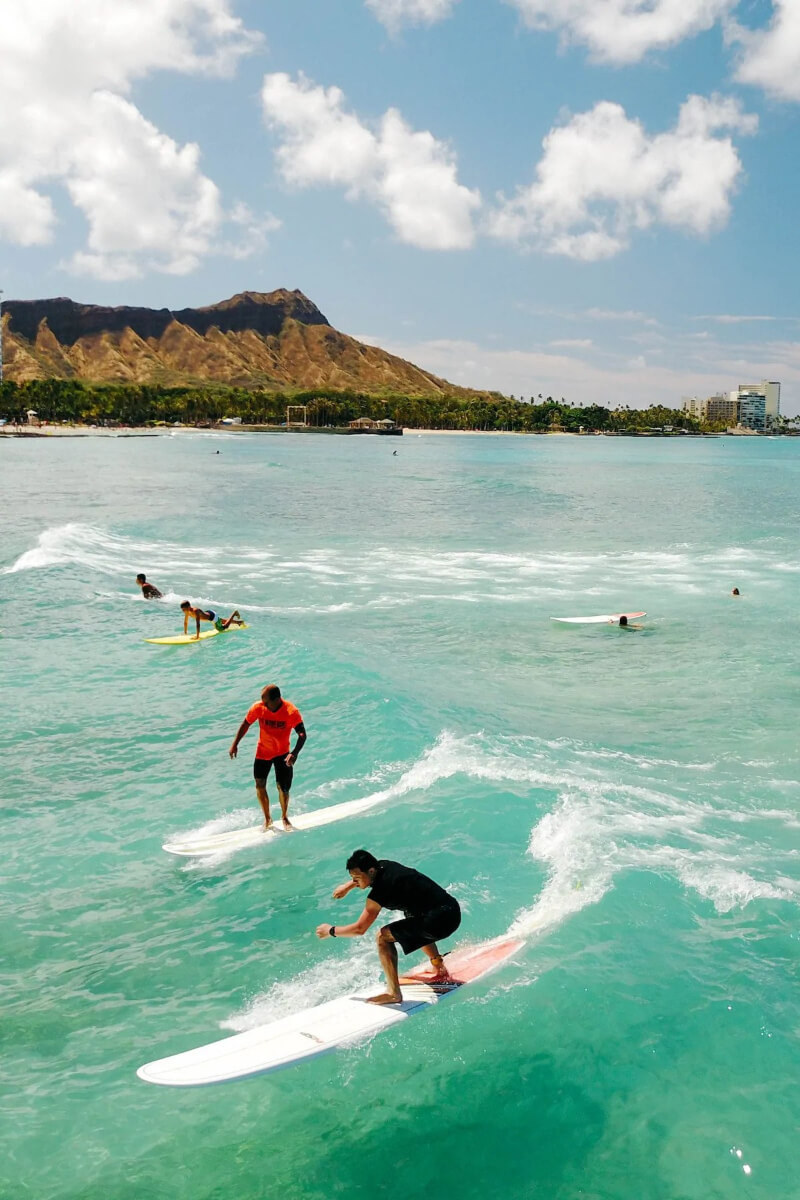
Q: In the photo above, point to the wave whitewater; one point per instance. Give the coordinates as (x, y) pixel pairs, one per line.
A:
(467, 576)
(603, 821)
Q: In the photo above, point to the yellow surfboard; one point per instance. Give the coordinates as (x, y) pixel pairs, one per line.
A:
(188, 639)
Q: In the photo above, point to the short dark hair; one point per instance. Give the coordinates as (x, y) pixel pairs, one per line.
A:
(186, 604)
(623, 620)
(271, 692)
(141, 577)
(361, 860)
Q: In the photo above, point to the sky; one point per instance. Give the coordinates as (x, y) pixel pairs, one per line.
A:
(593, 199)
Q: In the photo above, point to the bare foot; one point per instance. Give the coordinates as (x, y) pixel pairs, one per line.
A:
(386, 998)
(268, 824)
(287, 824)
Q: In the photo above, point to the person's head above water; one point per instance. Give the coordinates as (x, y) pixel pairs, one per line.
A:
(362, 867)
(186, 604)
(735, 592)
(141, 577)
(623, 620)
(271, 696)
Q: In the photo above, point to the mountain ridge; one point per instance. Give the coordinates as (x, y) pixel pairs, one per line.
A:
(274, 339)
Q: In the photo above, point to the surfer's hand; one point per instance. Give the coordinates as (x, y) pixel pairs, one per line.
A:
(341, 890)
(323, 931)
(289, 760)
(234, 750)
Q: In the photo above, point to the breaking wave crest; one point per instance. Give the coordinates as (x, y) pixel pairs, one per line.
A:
(387, 577)
(596, 827)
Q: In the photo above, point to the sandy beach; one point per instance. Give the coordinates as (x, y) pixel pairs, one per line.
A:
(59, 430)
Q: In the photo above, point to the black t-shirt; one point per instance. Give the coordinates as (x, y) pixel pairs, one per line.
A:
(399, 887)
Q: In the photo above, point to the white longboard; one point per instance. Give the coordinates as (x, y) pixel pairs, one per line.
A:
(256, 835)
(608, 619)
(318, 1030)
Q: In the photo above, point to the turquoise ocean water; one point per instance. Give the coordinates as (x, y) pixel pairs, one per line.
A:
(626, 801)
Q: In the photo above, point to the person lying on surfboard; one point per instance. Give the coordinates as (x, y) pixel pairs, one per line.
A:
(276, 719)
(429, 914)
(149, 590)
(208, 614)
(624, 623)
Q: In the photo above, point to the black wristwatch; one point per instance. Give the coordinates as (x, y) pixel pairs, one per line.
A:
(332, 931)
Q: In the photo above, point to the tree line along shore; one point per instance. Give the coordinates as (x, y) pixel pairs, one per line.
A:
(75, 402)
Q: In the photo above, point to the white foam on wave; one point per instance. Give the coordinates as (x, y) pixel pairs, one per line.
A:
(314, 986)
(87, 546)
(599, 831)
(440, 761)
(403, 576)
(598, 828)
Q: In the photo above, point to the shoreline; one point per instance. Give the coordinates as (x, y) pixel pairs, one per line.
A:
(138, 431)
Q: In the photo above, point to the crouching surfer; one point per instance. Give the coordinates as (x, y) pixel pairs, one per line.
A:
(208, 614)
(429, 914)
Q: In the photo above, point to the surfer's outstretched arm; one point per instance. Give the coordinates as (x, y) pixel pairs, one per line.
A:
(358, 928)
(341, 891)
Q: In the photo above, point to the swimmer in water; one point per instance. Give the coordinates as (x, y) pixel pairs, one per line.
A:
(208, 614)
(149, 590)
(736, 592)
(624, 623)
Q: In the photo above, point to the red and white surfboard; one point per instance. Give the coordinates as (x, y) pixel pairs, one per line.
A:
(318, 1030)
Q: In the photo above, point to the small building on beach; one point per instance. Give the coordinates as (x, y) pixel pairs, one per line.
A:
(368, 425)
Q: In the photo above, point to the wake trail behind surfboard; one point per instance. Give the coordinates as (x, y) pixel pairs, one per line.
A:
(440, 761)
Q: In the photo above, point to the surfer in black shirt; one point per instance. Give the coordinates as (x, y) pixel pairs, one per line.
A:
(429, 913)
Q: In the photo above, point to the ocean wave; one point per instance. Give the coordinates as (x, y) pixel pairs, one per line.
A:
(314, 986)
(402, 575)
(598, 825)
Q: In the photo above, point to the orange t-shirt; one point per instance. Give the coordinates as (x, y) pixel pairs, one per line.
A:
(276, 727)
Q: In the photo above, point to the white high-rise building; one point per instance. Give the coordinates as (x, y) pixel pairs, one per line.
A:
(753, 405)
(695, 407)
(771, 392)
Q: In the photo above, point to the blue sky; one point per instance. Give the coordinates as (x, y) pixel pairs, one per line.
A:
(587, 198)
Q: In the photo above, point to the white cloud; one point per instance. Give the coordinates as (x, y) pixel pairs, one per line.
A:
(585, 380)
(573, 343)
(616, 314)
(602, 177)
(770, 58)
(623, 31)
(410, 175)
(396, 13)
(67, 74)
(732, 319)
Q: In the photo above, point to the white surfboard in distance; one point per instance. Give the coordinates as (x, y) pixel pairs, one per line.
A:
(607, 619)
(318, 1030)
(257, 835)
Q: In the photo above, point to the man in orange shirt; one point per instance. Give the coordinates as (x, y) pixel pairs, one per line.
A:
(276, 719)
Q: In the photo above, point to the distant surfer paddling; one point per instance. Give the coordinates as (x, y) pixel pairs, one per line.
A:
(624, 623)
(208, 614)
(429, 914)
(276, 719)
(149, 590)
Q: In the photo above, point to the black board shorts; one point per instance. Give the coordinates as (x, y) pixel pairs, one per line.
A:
(283, 772)
(414, 932)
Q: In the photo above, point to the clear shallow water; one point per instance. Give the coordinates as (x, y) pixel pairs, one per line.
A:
(629, 802)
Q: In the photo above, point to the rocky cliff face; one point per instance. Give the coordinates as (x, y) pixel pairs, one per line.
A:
(275, 339)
